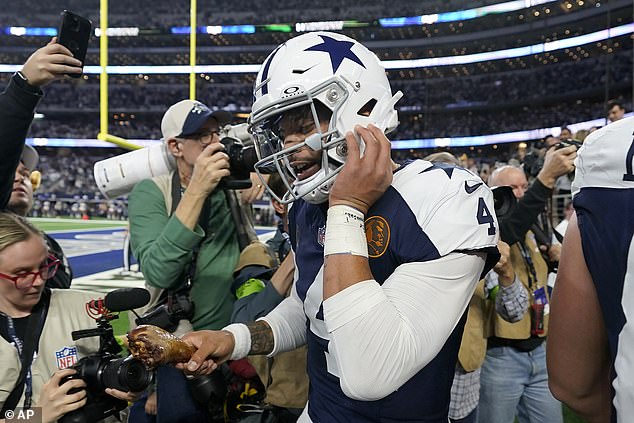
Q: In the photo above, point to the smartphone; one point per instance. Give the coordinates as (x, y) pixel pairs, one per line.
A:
(74, 34)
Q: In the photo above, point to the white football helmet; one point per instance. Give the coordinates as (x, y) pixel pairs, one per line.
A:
(341, 74)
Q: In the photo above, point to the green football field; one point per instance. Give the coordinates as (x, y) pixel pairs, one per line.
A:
(62, 224)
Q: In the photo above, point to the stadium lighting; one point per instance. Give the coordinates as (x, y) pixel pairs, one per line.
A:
(319, 26)
(119, 32)
(461, 15)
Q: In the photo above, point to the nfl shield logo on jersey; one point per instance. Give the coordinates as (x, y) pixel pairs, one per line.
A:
(321, 235)
(66, 357)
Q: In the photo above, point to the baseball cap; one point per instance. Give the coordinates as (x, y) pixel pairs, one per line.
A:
(29, 157)
(187, 116)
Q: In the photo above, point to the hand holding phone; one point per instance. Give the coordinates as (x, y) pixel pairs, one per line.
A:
(49, 63)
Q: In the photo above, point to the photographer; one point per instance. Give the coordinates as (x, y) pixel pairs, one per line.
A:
(18, 101)
(37, 322)
(183, 234)
(531, 201)
(514, 379)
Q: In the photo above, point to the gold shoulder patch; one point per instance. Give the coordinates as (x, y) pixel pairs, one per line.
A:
(377, 232)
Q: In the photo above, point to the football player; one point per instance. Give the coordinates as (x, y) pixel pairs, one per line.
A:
(591, 324)
(387, 256)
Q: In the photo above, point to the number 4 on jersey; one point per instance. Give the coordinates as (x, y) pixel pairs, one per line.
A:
(484, 216)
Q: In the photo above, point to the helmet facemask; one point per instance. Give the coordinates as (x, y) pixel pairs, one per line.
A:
(269, 142)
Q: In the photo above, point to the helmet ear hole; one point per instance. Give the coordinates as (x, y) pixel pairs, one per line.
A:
(367, 108)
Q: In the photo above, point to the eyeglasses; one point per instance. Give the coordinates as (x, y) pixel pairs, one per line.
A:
(204, 137)
(25, 280)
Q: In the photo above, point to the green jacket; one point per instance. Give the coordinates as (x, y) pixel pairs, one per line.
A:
(163, 247)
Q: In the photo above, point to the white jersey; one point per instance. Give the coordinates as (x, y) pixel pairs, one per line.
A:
(430, 213)
(603, 192)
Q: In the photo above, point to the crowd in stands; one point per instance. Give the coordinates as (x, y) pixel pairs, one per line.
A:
(438, 93)
(415, 123)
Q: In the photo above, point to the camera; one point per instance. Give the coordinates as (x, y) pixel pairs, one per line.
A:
(242, 159)
(106, 368)
(166, 316)
(534, 161)
(117, 175)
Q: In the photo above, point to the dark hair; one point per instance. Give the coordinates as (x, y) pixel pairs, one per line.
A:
(613, 103)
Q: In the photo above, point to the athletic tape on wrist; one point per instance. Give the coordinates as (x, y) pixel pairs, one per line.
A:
(242, 337)
(345, 232)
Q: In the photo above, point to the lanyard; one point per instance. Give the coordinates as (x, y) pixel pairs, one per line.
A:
(28, 393)
(530, 266)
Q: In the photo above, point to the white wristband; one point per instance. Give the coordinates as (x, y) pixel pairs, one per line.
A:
(242, 337)
(345, 232)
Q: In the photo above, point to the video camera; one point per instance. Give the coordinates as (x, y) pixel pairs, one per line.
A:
(117, 175)
(106, 368)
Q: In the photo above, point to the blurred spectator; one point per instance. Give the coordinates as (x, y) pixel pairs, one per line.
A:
(616, 111)
(21, 202)
(565, 133)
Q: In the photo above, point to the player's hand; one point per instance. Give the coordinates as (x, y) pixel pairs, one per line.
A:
(49, 63)
(211, 166)
(504, 267)
(557, 162)
(364, 179)
(256, 191)
(213, 347)
(55, 399)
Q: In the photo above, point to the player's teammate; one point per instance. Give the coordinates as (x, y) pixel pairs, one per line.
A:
(591, 342)
(387, 256)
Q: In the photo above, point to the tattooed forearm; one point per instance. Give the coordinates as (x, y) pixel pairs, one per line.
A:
(261, 337)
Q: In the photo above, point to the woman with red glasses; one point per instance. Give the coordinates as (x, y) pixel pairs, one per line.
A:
(36, 347)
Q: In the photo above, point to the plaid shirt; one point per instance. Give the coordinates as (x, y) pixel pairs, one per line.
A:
(511, 303)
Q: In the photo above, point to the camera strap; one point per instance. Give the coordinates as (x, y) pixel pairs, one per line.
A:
(177, 193)
(26, 350)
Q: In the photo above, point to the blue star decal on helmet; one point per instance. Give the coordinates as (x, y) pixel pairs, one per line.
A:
(338, 50)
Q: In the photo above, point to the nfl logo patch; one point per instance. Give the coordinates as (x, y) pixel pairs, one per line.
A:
(321, 235)
(66, 357)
